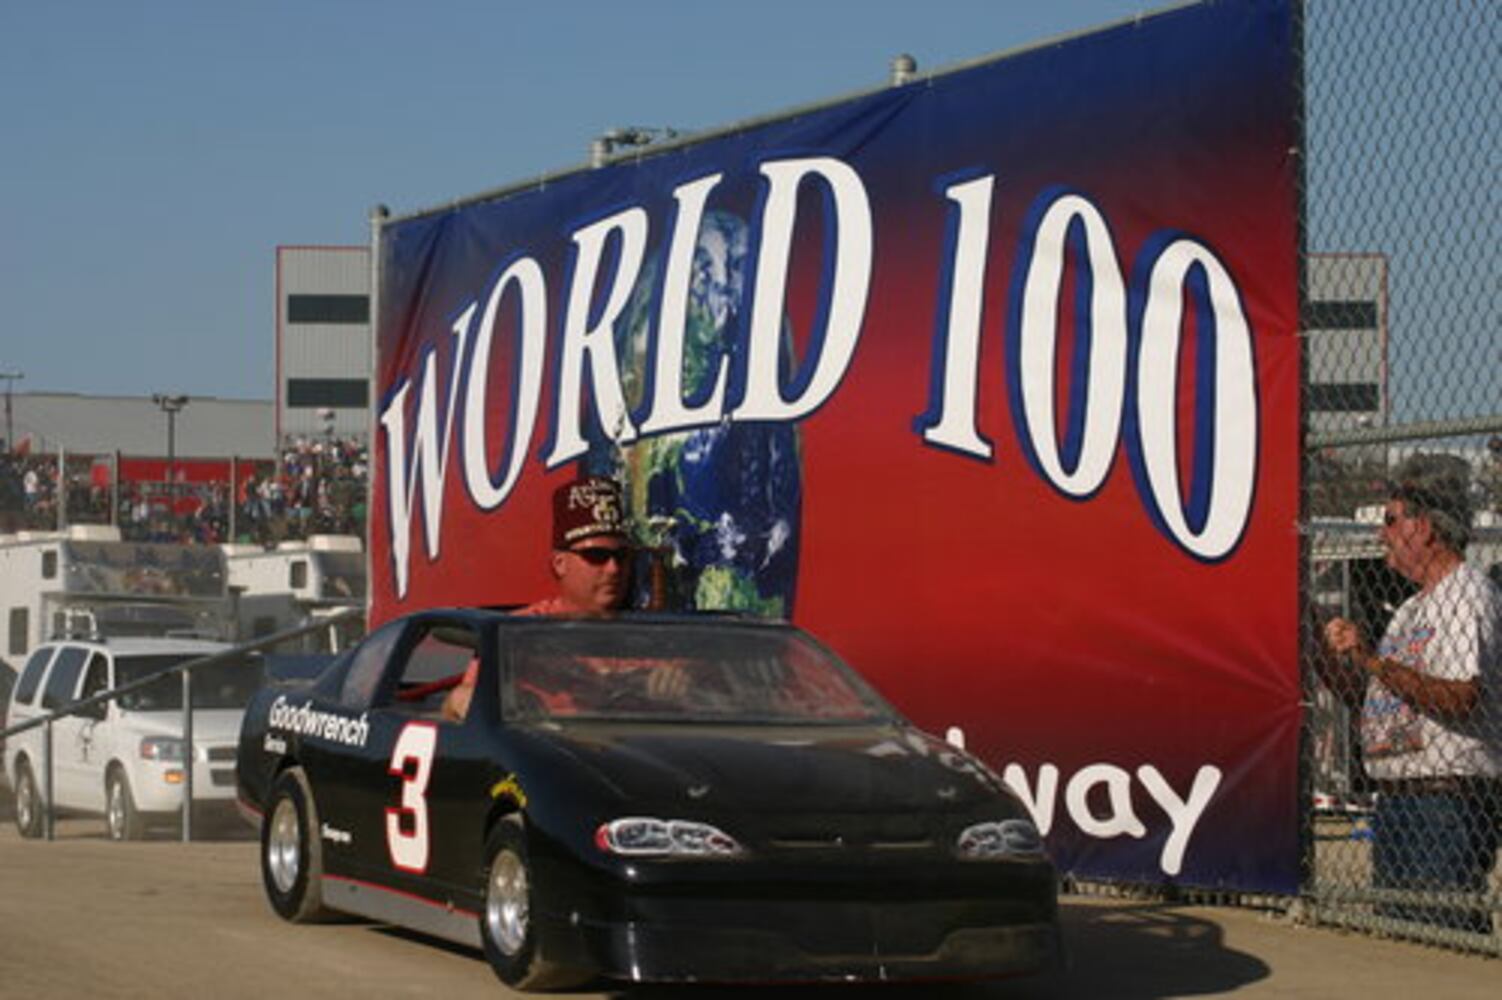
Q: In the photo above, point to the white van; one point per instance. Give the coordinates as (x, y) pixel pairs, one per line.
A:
(124, 759)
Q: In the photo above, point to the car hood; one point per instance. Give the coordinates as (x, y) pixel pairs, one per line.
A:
(784, 770)
(210, 725)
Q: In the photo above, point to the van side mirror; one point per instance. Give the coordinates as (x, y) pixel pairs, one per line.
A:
(96, 711)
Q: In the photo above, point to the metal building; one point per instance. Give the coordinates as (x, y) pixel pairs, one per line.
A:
(323, 349)
(204, 427)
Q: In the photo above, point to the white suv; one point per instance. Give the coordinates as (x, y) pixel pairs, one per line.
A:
(124, 758)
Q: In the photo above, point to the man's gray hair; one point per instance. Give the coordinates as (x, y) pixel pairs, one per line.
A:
(1437, 486)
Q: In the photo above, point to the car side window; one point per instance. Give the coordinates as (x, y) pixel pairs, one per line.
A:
(62, 682)
(368, 666)
(31, 677)
(434, 665)
(96, 677)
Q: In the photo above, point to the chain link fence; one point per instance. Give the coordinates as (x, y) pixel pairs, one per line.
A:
(1403, 502)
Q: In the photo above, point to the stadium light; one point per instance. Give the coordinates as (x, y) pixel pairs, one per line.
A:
(601, 149)
(171, 405)
(11, 377)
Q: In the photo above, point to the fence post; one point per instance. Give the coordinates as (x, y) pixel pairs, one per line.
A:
(115, 490)
(47, 777)
(188, 755)
(60, 496)
(233, 498)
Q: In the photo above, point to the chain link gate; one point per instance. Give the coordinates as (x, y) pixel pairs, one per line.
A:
(1403, 469)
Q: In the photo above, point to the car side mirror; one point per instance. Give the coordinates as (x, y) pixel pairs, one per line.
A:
(96, 711)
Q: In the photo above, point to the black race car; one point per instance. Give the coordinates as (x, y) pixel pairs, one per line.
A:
(645, 799)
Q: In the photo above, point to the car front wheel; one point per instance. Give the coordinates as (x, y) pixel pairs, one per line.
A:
(121, 818)
(28, 803)
(508, 930)
(291, 854)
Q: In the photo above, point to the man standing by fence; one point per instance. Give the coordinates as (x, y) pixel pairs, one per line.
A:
(1431, 714)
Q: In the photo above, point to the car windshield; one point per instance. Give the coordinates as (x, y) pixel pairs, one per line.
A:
(685, 672)
(225, 684)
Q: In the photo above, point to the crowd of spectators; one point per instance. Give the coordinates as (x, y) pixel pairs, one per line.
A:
(320, 490)
(28, 492)
(317, 488)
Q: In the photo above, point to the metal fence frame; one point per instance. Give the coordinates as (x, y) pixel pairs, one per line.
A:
(185, 669)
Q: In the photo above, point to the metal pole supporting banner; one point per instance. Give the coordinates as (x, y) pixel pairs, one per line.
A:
(378, 218)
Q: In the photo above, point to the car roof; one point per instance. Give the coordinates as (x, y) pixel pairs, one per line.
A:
(144, 645)
(505, 615)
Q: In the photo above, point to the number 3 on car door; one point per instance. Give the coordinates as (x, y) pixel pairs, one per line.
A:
(407, 824)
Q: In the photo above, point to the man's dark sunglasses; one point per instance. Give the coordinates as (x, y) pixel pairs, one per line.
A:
(601, 556)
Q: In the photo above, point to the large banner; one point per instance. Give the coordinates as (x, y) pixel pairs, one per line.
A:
(990, 380)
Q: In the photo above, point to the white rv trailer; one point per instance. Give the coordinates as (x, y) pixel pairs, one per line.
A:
(298, 583)
(85, 580)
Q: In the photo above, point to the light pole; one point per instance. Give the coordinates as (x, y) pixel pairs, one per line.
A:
(11, 377)
(321, 496)
(328, 417)
(171, 405)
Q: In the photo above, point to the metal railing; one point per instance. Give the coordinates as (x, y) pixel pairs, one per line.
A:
(185, 669)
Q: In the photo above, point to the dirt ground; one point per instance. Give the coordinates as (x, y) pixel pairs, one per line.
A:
(86, 917)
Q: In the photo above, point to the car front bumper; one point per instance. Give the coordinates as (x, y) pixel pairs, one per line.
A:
(646, 954)
(764, 940)
(213, 781)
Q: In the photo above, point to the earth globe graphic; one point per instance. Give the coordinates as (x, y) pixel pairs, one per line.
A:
(716, 508)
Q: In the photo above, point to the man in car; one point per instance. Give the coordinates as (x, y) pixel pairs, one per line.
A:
(591, 566)
(591, 558)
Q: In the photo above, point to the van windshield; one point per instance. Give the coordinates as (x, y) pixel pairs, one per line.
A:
(226, 684)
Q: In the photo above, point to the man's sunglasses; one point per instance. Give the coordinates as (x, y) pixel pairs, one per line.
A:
(601, 556)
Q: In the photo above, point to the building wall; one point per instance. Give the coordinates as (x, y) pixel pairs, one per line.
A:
(323, 349)
(1345, 320)
(205, 427)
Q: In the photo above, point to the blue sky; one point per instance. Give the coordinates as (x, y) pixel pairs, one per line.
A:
(155, 153)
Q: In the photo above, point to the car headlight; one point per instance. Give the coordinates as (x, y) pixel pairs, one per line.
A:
(161, 748)
(646, 836)
(1008, 838)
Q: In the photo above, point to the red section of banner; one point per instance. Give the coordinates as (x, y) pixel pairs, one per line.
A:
(1045, 489)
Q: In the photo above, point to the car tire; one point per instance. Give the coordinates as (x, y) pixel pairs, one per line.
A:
(29, 818)
(291, 853)
(508, 932)
(122, 820)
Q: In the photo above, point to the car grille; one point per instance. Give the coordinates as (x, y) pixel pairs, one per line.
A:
(843, 844)
(222, 777)
(225, 753)
(836, 833)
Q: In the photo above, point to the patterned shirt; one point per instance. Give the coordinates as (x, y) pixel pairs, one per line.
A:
(1453, 632)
